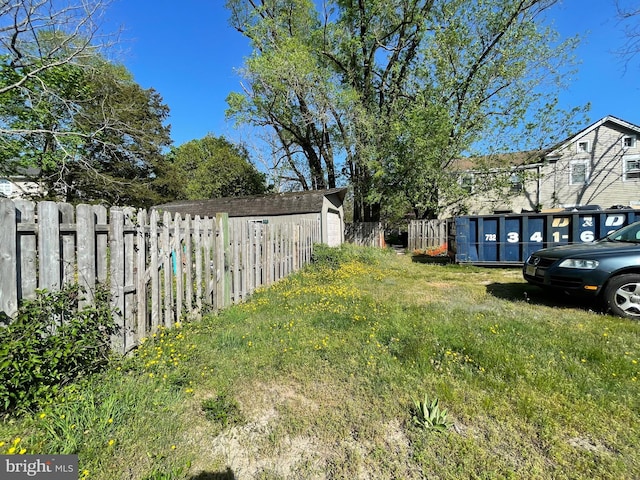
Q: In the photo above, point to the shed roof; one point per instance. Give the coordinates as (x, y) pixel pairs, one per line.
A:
(289, 203)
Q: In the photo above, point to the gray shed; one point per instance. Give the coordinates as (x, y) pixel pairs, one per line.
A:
(325, 206)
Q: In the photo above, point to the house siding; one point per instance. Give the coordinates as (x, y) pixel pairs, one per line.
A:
(606, 185)
(18, 187)
(550, 185)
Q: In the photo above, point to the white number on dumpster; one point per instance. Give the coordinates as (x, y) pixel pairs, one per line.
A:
(587, 236)
(536, 237)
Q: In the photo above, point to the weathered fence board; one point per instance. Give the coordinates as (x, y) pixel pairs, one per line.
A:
(49, 245)
(26, 250)
(428, 235)
(159, 270)
(367, 234)
(8, 259)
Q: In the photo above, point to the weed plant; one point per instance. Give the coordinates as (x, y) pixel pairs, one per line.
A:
(320, 368)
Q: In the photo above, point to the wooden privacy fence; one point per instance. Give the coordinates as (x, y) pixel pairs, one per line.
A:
(159, 269)
(428, 235)
(367, 234)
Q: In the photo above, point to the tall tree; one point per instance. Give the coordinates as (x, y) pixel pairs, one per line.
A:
(210, 167)
(124, 139)
(37, 37)
(290, 89)
(89, 131)
(398, 89)
(81, 122)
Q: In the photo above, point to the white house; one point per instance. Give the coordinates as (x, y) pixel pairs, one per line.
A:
(19, 185)
(598, 166)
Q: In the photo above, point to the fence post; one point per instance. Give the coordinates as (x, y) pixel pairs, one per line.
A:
(49, 245)
(154, 271)
(188, 267)
(222, 261)
(86, 250)
(178, 270)
(102, 242)
(27, 264)
(68, 252)
(116, 257)
(141, 276)
(8, 258)
(209, 277)
(167, 269)
(130, 317)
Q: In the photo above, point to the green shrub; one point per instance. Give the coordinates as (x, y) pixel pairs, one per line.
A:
(51, 343)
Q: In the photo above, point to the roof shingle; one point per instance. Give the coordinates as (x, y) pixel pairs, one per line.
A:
(289, 203)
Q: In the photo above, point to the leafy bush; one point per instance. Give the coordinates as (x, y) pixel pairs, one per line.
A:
(51, 343)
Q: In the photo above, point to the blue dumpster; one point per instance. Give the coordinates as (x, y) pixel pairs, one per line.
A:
(509, 239)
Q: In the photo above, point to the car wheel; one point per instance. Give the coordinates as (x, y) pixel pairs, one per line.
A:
(623, 295)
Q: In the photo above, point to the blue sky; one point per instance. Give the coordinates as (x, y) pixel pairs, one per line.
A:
(186, 50)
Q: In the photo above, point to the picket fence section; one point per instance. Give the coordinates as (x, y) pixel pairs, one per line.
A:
(428, 235)
(160, 269)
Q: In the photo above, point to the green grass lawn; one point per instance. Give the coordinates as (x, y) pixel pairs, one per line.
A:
(316, 377)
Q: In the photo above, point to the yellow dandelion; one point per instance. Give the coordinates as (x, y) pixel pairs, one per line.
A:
(111, 442)
(110, 420)
(42, 415)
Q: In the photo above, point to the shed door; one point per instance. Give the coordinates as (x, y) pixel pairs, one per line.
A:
(334, 229)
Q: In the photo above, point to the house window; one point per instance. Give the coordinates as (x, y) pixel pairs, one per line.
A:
(579, 173)
(631, 167)
(5, 187)
(629, 141)
(516, 183)
(466, 182)
(584, 147)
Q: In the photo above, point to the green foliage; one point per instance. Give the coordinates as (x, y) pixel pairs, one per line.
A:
(52, 343)
(334, 257)
(211, 167)
(427, 414)
(400, 90)
(222, 409)
(84, 129)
